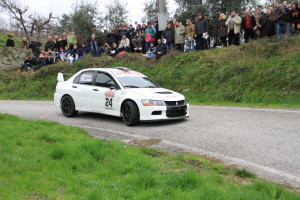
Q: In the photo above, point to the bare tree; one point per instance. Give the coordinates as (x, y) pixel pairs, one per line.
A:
(24, 20)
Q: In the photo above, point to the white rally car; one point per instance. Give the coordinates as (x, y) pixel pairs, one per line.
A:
(118, 92)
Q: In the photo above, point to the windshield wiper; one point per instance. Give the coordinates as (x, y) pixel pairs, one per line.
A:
(131, 86)
(151, 86)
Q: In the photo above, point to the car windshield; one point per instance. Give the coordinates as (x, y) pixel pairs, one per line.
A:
(137, 82)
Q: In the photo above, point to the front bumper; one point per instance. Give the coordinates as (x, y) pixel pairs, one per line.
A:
(155, 113)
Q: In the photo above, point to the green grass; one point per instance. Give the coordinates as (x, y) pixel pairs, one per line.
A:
(261, 73)
(46, 160)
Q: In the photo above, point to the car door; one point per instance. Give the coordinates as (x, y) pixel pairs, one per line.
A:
(105, 99)
(83, 90)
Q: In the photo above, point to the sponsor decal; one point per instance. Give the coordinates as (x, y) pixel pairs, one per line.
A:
(110, 93)
(128, 74)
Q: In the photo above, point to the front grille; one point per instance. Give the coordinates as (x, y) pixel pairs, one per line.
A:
(174, 103)
(177, 111)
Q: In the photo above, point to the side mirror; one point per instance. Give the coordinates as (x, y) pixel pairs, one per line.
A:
(112, 87)
(60, 77)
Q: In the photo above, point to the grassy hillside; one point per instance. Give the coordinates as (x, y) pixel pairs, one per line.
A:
(47, 160)
(261, 73)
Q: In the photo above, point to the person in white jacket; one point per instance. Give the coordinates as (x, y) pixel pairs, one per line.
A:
(124, 44)
(234, 28)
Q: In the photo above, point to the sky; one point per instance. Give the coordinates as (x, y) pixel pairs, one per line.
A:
(59, 7)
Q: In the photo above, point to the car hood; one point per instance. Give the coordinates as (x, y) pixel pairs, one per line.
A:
(157, 94)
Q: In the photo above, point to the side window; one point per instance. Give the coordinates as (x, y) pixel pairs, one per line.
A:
(104, 80)
(86, 78)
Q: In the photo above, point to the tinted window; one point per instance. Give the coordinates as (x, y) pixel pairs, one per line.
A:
(104, 80)
(86, 78)
(137, 82)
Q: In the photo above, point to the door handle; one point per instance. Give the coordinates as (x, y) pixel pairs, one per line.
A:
(74, 86)
(96, 90)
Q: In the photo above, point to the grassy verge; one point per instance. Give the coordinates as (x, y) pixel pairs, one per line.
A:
(261, 73)
(46, 160)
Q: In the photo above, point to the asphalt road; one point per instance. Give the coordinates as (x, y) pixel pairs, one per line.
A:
(265, 141)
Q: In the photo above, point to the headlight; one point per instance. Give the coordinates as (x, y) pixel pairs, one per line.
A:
(149, 102)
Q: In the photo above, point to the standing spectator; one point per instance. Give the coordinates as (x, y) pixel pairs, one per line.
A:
(169, 35)
(189, 36)
(24, 43)
(248, 23)
(257, 27)
(295, 16)
(119, 34)
(138, 40)
(267, 24)
(35, 47)
(124, 31)
(94, 41)
(114, 50)
(279, 19)
(131, 35)
(61, 43)
(234, 28)
(71, 39)
(259, 9)
(54, 44)
(222, 29)
(158, 33)
(149, 35)
(112, 36)
(200, 29)
(124, 44)
(160, 50)
(49, 44)
(10, 42)
(83, 50)
(151, 50)
(179, 35)
(65, 55)
(144, 27)
(207, 41)
(287, 27)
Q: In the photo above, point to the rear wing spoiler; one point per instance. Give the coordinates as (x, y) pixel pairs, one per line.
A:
(60, 76)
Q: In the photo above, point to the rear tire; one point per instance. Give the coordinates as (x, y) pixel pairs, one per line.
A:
(68, 106)
(131, 115)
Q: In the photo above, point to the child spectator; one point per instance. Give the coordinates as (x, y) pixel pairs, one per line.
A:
(124, 44)
(65, 55)
(10, 42)
(50, 57)
(56, 55)
(83, 50)
(24, 43)
(114, 50)
(138, 40)
(160, 50)
(151, 50)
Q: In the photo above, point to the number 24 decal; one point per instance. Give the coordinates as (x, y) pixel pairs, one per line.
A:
(108, 102)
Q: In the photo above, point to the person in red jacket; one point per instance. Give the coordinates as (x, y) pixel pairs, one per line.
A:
(149, 35)
(248, 23)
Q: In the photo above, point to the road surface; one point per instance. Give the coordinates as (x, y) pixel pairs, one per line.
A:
(264, 141)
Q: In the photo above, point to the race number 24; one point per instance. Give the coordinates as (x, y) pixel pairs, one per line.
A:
(108, 102)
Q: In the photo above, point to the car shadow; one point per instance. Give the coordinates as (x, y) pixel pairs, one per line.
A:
(113, 119)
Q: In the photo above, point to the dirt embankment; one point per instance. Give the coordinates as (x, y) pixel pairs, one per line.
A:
(11, 57)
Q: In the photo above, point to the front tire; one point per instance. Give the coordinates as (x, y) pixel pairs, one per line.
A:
(68, 106)
(131, 115)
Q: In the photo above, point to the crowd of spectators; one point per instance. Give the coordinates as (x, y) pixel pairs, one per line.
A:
(147, 39)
